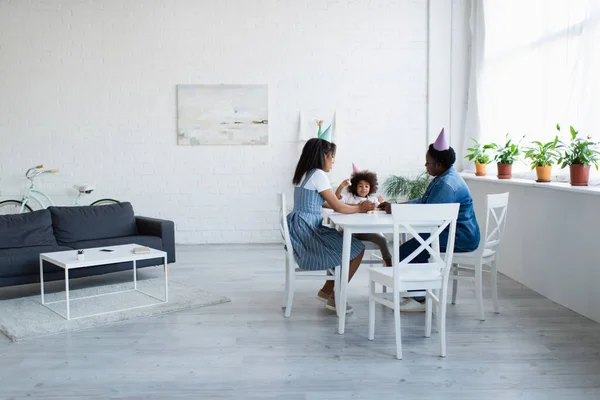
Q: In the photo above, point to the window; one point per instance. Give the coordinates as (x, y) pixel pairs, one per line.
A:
(540, 67)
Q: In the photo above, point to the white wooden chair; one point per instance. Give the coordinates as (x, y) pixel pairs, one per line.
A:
(485, 255)
(292, 271)
(431, 278)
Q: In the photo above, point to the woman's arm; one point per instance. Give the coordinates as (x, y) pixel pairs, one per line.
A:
(340, 207)
(441, 193)
(388, 206)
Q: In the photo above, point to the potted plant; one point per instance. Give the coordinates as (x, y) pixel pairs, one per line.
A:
(579, 154)
(543, 156)
(395, 187)
(478, 155)
(505, 156)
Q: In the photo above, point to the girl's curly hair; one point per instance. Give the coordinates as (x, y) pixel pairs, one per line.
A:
(367, 176)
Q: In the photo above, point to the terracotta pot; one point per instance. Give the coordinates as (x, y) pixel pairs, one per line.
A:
(480, 169)
(543, 174)
(504, 171)
(580, 174)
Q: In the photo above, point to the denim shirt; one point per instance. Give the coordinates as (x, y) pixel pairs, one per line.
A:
(450, 187)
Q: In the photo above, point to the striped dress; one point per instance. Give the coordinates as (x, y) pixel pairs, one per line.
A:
(316, 247)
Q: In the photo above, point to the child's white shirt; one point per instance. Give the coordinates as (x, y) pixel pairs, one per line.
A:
(349, 198)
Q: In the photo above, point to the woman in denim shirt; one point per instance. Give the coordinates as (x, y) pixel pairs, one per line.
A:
(447, 187)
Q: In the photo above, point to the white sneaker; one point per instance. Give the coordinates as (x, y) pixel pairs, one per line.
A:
(331, 306)
(411, 305)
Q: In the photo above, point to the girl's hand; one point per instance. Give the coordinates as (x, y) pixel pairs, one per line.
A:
(345, 183)
(366, 206)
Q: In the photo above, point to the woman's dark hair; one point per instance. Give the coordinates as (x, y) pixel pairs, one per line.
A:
(313, 156)
(446, 158)
(367, 176)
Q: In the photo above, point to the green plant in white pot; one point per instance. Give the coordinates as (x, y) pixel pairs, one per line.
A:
(543, 156)
(579, 154)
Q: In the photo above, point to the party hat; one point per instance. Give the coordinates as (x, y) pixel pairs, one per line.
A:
(355, 169)
(441, 143)
(326, 134)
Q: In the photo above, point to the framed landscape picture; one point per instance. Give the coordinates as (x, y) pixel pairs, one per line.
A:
(222, 115)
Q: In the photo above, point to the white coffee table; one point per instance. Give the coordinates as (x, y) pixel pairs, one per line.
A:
(94, 257)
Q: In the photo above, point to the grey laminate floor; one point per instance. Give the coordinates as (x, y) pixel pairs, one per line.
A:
(534, 349)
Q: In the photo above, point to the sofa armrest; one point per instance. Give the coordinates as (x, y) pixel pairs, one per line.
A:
(162, 228)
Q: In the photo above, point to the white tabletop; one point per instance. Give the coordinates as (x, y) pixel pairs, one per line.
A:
(374, 218)
(122, 253)
(376, 221)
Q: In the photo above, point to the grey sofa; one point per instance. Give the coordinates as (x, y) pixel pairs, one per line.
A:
(24, 236)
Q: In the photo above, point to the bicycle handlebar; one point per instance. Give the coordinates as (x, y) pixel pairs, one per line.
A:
(35, 171)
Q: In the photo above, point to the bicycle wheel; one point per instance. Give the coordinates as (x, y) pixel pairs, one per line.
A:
(103, 202)
(13, 207)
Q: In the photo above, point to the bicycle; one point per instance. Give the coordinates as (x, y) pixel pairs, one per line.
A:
(42, 199)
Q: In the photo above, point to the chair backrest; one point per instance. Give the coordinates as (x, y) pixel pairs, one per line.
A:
(425, 218)
(495, 220)
(283, 225)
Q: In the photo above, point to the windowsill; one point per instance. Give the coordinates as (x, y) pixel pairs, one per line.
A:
(593, 188)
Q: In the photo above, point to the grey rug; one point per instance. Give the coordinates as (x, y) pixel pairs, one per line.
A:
(25, 317)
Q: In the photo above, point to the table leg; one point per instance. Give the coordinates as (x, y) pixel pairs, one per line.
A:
(67, 294)
(166, 280)
(42, 279)
(134, 275)
(341, 304)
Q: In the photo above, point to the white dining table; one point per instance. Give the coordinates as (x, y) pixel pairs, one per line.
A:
(375, 222)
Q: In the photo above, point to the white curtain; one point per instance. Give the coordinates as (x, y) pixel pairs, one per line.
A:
(476, 38)
(535, 65)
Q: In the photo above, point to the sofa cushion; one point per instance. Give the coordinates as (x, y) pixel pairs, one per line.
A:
(26, 260)
(149, 241)
(74, 224)
(27, 229)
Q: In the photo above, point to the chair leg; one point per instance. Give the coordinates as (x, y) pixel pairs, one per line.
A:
(397, 324)
(438, 316)
(289, 285)
(442, 321)
(494, 273)
(428, 314)
(479, 290)
(371, 310)
(454, 283)
(337, 281)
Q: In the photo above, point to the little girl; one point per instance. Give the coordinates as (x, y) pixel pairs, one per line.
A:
(362, 187)
(317, 247)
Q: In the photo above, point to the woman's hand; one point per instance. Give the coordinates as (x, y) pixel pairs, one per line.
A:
(380, 199)
(366, 206)
(386, 206)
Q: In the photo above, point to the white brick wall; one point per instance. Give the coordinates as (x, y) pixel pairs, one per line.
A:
(89, 87)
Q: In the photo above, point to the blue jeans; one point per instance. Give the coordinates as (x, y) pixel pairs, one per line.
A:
(407, 249)
(411, 245)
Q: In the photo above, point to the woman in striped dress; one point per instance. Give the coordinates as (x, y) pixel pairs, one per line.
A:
(317, 247)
